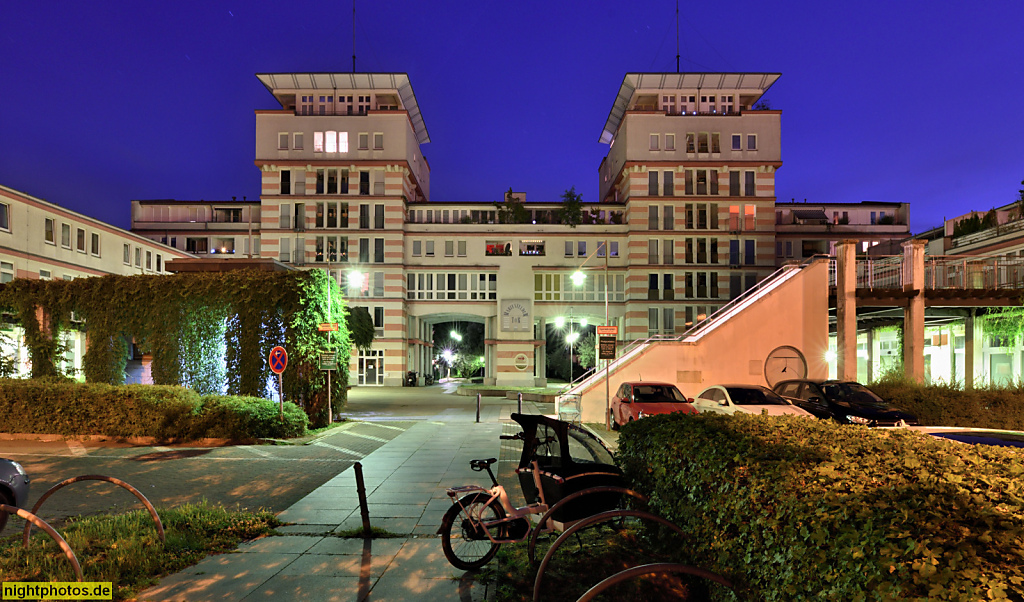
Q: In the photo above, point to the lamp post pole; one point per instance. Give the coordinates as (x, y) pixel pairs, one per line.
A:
(607, 397)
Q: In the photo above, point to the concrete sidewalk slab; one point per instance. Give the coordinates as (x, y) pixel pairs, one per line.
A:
(405, 483)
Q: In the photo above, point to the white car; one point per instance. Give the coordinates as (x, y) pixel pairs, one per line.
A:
(751, 399)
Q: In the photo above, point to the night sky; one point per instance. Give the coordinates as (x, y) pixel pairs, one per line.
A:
(105, 102)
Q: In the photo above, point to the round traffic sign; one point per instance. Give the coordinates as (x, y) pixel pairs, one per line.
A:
(278, 359)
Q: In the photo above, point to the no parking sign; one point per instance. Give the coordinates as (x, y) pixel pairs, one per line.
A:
(278, 361)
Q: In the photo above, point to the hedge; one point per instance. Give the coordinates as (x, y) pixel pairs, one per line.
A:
(798, 509)
(948, 405)
(65, 407)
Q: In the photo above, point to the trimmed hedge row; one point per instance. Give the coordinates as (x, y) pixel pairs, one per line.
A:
(947, 405)
(798, 509)
(67, 407)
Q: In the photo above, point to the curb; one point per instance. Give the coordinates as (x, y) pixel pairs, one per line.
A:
(147, 441)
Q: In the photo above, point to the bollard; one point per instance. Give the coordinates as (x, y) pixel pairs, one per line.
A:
(478, 407)
(361, 491)
(519, 404)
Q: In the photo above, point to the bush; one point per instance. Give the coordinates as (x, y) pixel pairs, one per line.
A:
(948, 405)
(798, 509)
(66, 407)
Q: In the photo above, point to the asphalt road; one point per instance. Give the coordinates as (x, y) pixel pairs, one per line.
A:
(246, 476)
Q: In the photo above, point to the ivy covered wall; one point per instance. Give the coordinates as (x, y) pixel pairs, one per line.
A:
(208, 331)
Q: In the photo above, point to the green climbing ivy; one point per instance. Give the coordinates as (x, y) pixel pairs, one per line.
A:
(1006, 322)
(211, 332)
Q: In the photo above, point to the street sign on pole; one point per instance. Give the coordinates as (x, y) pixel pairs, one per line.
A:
(606, 336)
(328, 360)
(278, 361)
(328, 327)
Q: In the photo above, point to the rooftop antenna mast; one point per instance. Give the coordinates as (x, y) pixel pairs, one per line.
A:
(354, 34)
(677, 35)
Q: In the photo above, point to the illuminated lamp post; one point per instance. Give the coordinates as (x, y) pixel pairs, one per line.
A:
(578, 278)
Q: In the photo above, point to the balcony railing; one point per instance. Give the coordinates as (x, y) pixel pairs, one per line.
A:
(1000, 230)
(940, 272)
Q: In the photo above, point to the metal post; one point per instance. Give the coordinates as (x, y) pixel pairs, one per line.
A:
(607, 397)
(478, 395)
(519, 404)
(330, 413)
(280, 395)
(361, 492)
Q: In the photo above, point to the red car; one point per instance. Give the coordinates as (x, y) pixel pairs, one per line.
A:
(635, 400)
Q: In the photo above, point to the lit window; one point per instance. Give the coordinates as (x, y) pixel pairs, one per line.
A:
(318, 142)
(331, 144)
(342, 142)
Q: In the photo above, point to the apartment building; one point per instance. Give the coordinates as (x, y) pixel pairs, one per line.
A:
(201, 228)
(42, 240)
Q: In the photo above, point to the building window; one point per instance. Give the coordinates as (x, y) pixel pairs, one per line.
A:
(702, 142)
(364, 216)
(149, 260)
(378, 217)
(48, 234)
(6, 271)
(417, 248)
(378, 141)
(652, 251)
(498, 248)
(80, 233)
(654, 142)
(449, 248)
(652, 183)
(751, 141)
(127, 259)
(430, 249)
(531, 247)
(192, 245)
(669, 184)
(138, 257)
(65, 236)
(282, 141)
(378, 250)
(691, 145)
(45, 275)
(749, 215)
(364, 250)
(5, 217)
(159, 263)
(286, 181)
(652, 217)
(613, 249)
(462, 248)
(364, 183)
(715, 145)
(748, 184)
(668, 251)
(736, 139)
(581, 248)
(568, 248)
(749, 256)
(734, 183)
(652, 320)
(670, 142)
(364, 141)
(297, 141)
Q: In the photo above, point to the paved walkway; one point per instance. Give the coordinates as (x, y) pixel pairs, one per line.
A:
(405, 482)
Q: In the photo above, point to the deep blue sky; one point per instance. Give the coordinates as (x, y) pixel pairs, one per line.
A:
(104, 102)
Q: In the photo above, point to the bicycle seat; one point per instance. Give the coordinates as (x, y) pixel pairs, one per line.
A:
(479, 465)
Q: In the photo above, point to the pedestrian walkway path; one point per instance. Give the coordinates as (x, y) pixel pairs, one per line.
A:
(405, 482)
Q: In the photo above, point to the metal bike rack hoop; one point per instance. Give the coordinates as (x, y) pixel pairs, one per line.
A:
(586, 522)
(31, 518)
(651, 569)
(531, 549)
(96, 477)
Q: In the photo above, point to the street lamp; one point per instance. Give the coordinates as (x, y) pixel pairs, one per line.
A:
(356, 280)
(571, 339)
(578, 278)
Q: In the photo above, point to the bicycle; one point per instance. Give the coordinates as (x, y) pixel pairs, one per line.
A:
(488, 518)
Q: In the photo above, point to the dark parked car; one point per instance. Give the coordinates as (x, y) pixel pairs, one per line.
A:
(13, 487)
(846, 402)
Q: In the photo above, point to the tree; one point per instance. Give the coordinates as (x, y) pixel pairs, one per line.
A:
(763, 105)
(587, 350)
(1020, 202)
(360, 327)
(571, 213)
(512, 211)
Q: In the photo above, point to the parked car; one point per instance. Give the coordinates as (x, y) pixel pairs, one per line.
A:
(634, 400)
(846, 402)
(975, 436)
(13, 487)
(750, 399)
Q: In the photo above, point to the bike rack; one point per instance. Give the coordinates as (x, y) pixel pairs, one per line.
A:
(586, 522)
(544, 518)
(30, 519)
(651, 569)
(95, 477)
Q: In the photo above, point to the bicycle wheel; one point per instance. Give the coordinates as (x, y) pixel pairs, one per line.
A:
(463, 540)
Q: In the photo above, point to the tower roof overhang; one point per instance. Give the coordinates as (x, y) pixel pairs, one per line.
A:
(756, 83)
(284, 84)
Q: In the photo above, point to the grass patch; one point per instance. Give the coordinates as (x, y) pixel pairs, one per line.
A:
(579, 565)
(375, 533)
(126, 550)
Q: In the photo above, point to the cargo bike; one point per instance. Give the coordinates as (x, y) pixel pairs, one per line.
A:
(566, 474)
